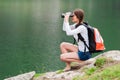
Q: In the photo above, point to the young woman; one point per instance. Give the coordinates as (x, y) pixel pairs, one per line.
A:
(70, 52)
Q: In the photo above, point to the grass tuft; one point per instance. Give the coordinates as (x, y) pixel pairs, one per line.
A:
(90, 71)
(38, 74)
(59, 71)
(100, 62)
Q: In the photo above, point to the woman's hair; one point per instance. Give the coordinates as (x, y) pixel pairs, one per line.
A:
(80, 15)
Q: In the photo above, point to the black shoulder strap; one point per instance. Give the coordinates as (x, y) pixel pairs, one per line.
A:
(82, 39)
(79, 38)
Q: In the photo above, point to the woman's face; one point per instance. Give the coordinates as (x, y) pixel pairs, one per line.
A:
(75, 19)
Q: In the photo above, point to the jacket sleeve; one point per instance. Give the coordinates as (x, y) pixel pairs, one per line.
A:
(70, 32)
(64, 26)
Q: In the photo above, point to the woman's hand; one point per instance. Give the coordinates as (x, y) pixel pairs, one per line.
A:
(67, 16)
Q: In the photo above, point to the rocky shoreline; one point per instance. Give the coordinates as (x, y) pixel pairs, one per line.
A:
(77, 69)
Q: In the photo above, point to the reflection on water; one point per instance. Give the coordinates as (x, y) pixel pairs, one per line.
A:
(31, 31)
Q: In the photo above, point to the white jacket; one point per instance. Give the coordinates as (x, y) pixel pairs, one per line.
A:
(72, 31)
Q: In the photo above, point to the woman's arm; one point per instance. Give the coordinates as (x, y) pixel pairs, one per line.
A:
(69, 31)
(71, 26)
(64, 26)
(67, 28)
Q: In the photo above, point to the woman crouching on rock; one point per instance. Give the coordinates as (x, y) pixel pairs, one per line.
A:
(70, 52)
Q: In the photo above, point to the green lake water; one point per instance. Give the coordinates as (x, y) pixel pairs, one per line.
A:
(31, 31)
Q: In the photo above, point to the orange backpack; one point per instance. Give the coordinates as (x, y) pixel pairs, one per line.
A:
(96, 43)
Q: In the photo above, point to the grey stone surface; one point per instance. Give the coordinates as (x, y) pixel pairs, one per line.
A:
(114, 54)
(25, 76)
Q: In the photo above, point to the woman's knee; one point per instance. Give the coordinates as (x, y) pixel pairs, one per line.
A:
(62, 44)
(62, 57)
(65, 45)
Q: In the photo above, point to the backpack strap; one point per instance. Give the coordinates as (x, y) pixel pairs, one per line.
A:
(83, 40)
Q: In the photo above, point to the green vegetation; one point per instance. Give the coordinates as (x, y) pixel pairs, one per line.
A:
(90, 71)
(41, 74)
(102, 71)
(110, 73)
(59, 71)
(100, 62)
(38, 74)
